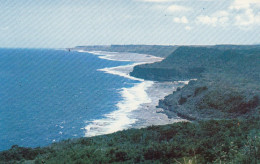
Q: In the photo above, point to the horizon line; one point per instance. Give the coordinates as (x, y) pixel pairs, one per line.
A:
(108, 45)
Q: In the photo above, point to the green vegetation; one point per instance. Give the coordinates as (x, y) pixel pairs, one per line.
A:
(219, 141)
(187, 63)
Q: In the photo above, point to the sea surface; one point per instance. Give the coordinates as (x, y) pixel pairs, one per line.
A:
(48, 95)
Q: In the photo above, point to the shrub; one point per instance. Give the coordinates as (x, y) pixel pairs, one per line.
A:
(199, 90)
(182, 100)
(121, 156)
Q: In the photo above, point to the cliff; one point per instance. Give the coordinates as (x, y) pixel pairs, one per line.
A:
(227, 84)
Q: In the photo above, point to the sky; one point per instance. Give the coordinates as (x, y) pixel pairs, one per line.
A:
(69, 23)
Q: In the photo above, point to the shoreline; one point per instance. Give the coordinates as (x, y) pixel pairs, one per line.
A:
(138, 108)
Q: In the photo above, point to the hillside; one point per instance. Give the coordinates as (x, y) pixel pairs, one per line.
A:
(192, 62)
(222, 141)
(227, 84)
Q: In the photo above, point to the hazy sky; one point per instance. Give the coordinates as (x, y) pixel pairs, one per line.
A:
(68, 23)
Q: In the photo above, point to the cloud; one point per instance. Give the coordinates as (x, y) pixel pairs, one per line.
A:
(246, 12)
(217, 18)
(183, 20)
(244, 4)
(188, 28)
(243, 13)
(212, 21)
(178, 8)
(207, 20)
(247, 18)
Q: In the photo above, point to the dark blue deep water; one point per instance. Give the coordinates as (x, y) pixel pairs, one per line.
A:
(48, 95)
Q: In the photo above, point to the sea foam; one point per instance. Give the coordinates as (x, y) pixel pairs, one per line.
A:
(120, 71)
(133, 97)
(119, 119)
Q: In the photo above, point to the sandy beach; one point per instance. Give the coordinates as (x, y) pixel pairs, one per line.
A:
(138, 107)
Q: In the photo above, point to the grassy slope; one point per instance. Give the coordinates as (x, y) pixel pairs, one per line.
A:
(193, 62)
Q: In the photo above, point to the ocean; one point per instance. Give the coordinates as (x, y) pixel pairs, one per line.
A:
(49, 95)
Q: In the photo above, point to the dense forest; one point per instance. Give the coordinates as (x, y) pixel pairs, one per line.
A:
(219, 141)
(221, 105)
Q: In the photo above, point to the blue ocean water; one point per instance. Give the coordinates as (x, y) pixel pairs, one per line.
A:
(48, 95)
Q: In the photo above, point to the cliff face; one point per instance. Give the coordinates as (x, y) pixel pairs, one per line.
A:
(227, 85)
(191, 62)
(183, 64)
(200, 100)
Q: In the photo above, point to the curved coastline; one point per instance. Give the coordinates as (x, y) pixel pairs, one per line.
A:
(138, 107)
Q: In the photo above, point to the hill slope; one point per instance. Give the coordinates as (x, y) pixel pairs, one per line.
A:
(227, 84)
(222, 141)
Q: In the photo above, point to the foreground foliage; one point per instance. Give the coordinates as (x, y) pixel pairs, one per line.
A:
(219, 141)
